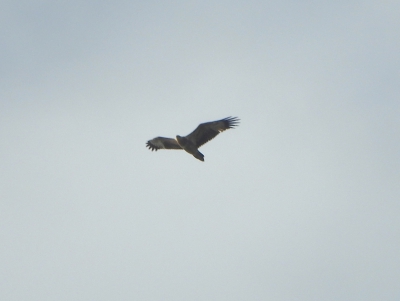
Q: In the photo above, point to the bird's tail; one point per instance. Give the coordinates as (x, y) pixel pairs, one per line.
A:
(199, 156)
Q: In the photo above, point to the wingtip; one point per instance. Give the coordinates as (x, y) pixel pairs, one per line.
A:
(232, 121)
(150, 147)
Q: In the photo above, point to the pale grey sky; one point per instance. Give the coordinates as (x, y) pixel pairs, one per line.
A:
(300, 202)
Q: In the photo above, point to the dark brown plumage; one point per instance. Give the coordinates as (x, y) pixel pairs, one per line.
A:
(201, 135)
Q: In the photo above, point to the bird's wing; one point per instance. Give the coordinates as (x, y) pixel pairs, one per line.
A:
(208, 130)
(162, 143)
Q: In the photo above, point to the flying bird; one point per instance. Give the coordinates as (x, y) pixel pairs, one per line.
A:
(191, 143)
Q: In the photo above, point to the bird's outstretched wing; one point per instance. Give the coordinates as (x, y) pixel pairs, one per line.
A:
(208, 130)
(162, 143)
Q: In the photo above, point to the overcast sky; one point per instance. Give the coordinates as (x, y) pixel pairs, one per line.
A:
(300, 202)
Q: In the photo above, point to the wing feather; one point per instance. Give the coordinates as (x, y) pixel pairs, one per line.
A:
(208, 130)
(162, 143)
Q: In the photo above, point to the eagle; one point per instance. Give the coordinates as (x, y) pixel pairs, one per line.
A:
(191, 143)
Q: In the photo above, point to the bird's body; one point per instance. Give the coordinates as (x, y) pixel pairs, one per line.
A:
(191, 143)
(189, 147)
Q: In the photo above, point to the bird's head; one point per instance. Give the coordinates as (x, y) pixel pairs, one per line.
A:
(180, 140)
